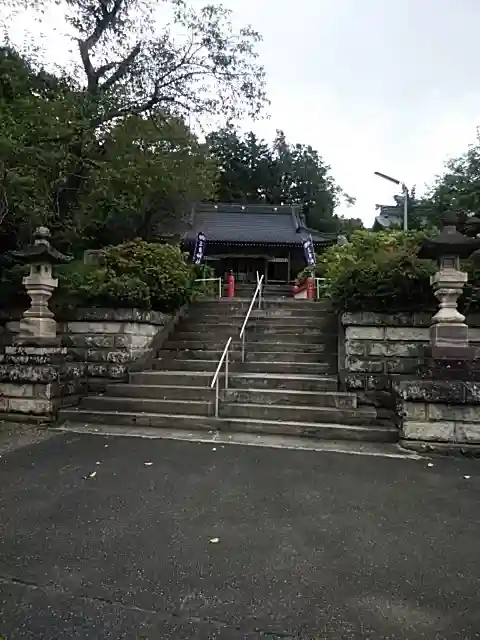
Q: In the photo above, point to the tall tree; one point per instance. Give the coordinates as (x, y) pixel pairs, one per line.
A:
(254, 172)
(141, 171)
(459, 185)
(127, 70)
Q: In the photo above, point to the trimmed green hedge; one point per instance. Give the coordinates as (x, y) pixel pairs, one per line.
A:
(377, 272)
(381, 272)
(136, 274)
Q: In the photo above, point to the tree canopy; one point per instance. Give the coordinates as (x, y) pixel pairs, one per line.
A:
(103, 151)
(252, 171)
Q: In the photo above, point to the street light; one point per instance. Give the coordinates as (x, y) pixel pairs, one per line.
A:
(405, 196)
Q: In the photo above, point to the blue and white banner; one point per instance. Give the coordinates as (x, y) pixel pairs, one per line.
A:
(309, 251)
(199, 251)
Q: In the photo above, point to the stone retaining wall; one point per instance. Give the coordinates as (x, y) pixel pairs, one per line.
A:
(98, 346)
(441, 415)
(376, 348)
(110, 342)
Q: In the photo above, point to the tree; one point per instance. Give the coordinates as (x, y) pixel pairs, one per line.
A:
(146, 173)
(458, 187)
(141, 171)
(251, 171)
(36, 112)
(130, 70)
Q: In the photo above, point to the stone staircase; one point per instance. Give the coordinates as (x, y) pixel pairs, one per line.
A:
(288, 384)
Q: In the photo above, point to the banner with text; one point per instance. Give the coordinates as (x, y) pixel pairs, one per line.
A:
(199, 252)
(309, 251)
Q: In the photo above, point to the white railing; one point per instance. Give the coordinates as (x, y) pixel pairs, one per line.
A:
(257, 294)
(219, 280)
(216, 378)
(318, 284)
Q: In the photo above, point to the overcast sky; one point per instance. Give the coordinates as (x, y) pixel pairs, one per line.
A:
(371, 84)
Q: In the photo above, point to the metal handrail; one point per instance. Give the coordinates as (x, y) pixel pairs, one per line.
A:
(247, 317)
(215, 381)
(317, 285)
(219, 280)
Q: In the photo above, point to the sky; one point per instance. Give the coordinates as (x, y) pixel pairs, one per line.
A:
(372, 85)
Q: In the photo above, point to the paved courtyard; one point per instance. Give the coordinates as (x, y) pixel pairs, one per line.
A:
(105, 537)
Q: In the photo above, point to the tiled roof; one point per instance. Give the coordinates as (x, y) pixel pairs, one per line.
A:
(389, 216)
(250, 224)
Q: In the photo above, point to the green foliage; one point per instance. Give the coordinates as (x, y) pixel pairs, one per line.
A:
(253, 171)
(101, 152)
(12, 291)
(136, 274)
(378, 272)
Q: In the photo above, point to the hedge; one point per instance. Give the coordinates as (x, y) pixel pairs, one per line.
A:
(136, 274)
(381, 272)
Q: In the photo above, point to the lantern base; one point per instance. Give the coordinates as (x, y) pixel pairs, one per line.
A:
(450, 341)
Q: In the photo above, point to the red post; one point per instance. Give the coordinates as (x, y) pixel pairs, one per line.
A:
(310, 288)
(231, 285)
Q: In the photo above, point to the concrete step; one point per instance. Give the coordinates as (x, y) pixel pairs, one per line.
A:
(236, 380)
(168, 353)
(148, 405)
(314, 368)
(283, 311)
(257, 337)
(256, 346)
(334, 399)
(291, 382)
(323, 431)
(222, 326)
(304, 413)
(317, 321)
(177, 364)
(282, 354)
(162, 392)
(263, 329)
(178, 378)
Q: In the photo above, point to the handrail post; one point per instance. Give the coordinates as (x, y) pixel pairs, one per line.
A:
(243, 347)
(219, 288)
(226, 370)
(217, 391)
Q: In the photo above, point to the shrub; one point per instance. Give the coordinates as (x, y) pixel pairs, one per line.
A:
(135, 274)
(378, 272)
(204, 289)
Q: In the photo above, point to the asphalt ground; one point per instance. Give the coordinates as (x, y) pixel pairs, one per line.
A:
(182, 540)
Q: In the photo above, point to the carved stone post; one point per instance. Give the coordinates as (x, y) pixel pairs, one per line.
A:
(38, 323)
(449, 333)
(34, 370)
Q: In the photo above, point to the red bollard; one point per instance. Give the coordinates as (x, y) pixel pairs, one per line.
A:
(230, 285)
(310, 288)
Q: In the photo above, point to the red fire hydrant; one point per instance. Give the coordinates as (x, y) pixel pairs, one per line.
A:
(310, 288)
(231, 285)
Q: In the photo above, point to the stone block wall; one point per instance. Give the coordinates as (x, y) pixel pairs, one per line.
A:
(37, 381)
(375, 349)
(439, 414)
(111, 342)
(96, 347)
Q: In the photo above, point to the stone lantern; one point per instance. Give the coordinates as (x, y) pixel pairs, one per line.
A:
(449, 333)
(38, 324)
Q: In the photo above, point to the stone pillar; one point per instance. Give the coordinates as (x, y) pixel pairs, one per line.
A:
(449, 333)
(35, 379)
(34, 371)
(441, 412)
